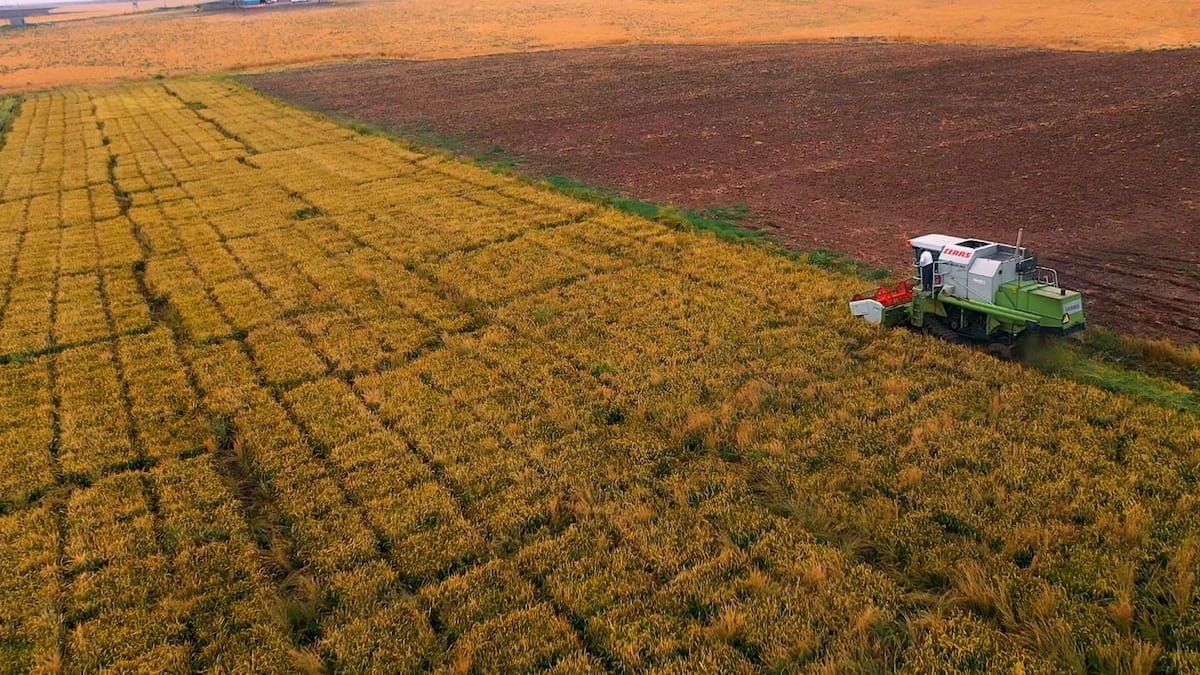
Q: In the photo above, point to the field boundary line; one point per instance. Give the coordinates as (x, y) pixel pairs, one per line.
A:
(14, 267)
(57, 499)
(454, 490)
(250, 150)
(383, 545)
(224, 465)
(578, 625)
(61, 507)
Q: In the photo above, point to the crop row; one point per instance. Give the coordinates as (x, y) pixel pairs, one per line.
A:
(158, 566)
(54, 145)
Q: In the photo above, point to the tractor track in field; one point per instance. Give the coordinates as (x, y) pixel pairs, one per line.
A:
(1162, 312)
(850, 147)
(1114, 269)
(1171, 304)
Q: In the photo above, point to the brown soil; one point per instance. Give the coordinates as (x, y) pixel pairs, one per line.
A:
(853, 147)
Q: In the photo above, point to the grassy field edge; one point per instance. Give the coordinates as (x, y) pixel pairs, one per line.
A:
(10, 107)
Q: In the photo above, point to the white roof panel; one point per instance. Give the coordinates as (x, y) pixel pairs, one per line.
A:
(934, 242)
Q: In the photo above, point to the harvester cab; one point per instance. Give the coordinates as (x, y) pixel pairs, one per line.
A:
(976, 290)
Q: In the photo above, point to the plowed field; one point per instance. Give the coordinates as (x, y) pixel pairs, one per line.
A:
(853, 148)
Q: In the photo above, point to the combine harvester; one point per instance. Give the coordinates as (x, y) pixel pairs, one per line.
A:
(969, 290)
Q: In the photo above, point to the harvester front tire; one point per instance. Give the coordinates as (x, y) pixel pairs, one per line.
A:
(935, 326)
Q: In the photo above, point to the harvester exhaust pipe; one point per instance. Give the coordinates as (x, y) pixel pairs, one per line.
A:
(1017, 253)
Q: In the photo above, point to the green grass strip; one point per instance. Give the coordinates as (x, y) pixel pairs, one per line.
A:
(726, 222)
(10, 107)
(1080, 360)
(1159, 358)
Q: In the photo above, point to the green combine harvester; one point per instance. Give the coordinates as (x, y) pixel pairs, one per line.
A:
(975, 291)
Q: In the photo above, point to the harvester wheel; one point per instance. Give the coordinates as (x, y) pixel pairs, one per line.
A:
(936, 326)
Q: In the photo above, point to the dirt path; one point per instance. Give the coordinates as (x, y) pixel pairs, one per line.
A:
(854, 148)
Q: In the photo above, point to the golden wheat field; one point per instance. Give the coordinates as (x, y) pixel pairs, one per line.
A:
(284, 397)
(136, 47)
